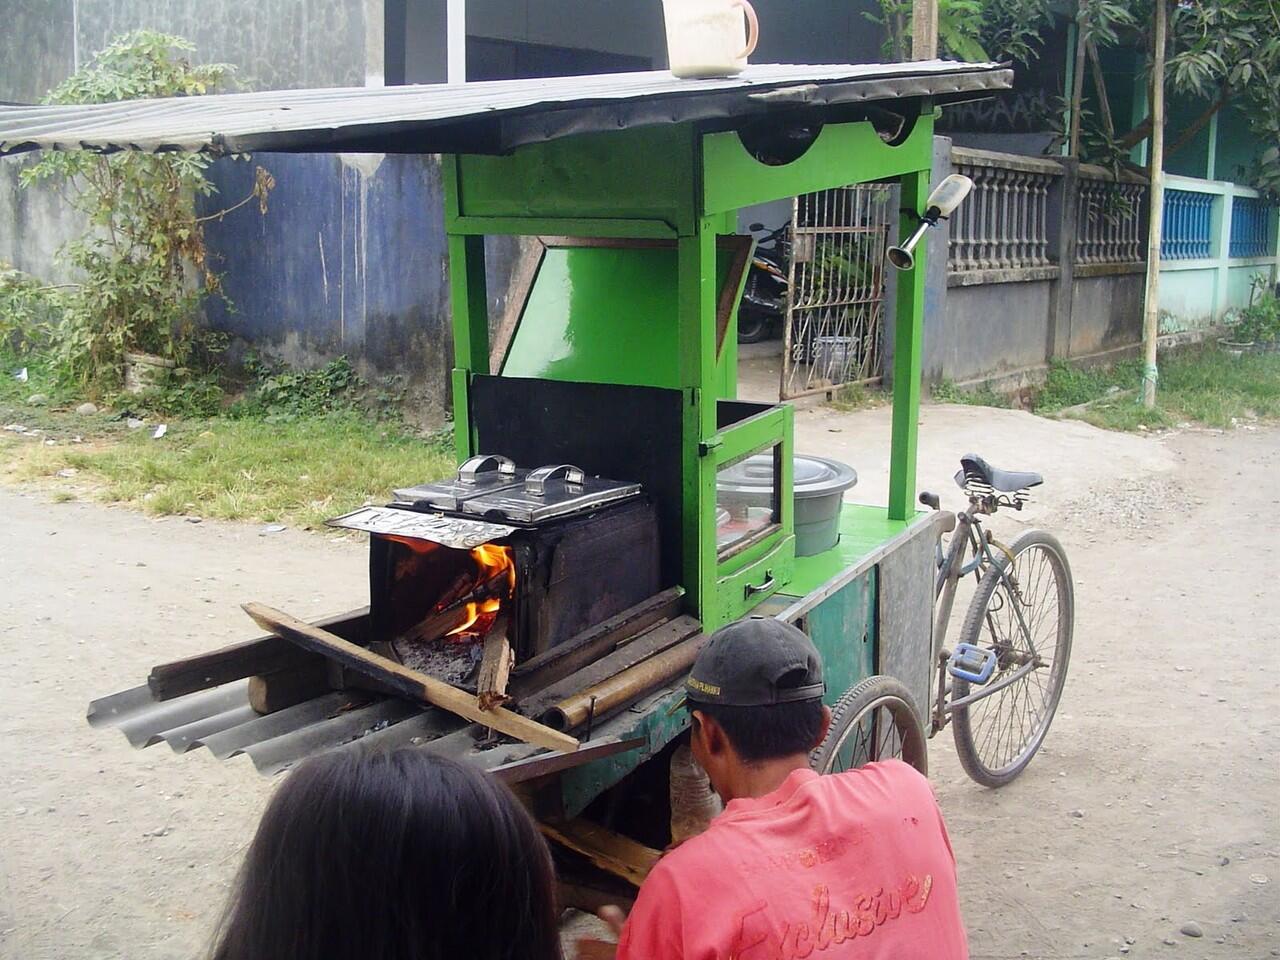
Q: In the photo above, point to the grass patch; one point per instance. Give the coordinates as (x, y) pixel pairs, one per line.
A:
(1201, 384)
(1068, 386)
(299, 472)
(945, 391)
(857, 396)
(298, 449)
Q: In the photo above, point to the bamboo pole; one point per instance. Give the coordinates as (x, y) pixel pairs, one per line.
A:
(1151, 302)
(924, 29)
(1077, 82)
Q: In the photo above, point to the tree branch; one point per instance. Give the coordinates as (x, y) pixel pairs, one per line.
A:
(1136, 135)
(1100, 84)
(1198, 123)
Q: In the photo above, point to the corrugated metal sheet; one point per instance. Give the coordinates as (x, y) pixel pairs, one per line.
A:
(484, 117)
(221, 721)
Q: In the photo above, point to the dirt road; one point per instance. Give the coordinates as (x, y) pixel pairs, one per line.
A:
(1152, 806)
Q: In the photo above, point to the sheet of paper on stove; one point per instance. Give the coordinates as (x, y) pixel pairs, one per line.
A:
(457, 532)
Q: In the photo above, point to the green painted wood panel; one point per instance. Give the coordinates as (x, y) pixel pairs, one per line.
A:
(603, 315)
(841, 154)
(640, 174)
(843, 628)
(862, 529)
(659, 719)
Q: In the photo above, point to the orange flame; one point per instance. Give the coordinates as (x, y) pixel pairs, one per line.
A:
(491, 558)
(491, 561)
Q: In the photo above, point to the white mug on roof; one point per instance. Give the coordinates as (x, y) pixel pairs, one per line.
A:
(709, 38)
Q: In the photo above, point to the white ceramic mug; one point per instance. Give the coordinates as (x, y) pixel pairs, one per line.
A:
(706, 38)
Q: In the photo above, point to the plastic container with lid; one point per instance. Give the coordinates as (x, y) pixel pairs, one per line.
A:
(818, 483)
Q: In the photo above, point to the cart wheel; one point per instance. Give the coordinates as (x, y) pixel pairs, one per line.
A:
(874, 720)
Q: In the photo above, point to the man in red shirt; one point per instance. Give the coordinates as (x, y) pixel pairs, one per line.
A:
(798, 865)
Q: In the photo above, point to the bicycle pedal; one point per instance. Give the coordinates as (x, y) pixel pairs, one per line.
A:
(974, 664)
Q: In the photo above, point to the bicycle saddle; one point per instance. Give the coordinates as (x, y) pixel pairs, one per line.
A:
(973, 469)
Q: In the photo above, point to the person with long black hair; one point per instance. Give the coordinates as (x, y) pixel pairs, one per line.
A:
(392, 856)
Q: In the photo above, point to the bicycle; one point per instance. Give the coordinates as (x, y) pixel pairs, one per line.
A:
(1001, 684)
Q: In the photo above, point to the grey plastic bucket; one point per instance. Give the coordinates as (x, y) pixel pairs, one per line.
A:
(819, 487)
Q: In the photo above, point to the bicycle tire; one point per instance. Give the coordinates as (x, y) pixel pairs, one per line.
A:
(869, 700)
(981, 758)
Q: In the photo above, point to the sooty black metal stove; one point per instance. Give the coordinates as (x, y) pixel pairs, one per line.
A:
(582, 549)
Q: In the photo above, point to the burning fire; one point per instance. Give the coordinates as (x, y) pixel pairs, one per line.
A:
(495, 566)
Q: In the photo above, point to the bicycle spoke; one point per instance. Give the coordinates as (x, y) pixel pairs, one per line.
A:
(1022, 621)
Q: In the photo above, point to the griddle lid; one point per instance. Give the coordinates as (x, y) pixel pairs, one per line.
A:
(551, 491)
(477, 476)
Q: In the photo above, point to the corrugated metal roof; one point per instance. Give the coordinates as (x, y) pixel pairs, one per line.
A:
(487, 117)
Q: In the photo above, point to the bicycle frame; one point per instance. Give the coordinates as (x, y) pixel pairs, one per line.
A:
(968, 535)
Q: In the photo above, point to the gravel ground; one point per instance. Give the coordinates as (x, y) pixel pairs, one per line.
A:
(1149, 817)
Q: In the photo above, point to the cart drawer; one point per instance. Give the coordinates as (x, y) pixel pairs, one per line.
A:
(741, 590)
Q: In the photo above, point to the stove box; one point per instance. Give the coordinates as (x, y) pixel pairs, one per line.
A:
(584, 550)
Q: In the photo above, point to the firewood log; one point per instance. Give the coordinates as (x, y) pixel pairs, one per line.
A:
(495, 667)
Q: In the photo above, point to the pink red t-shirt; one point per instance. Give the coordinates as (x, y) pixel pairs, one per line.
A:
(856, 864)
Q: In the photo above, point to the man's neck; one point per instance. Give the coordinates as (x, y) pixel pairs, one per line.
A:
(760, 779)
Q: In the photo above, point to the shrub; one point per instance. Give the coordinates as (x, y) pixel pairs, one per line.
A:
(143, 260)
(1259, 322)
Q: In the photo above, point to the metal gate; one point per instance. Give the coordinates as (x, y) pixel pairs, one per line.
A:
(835, 300)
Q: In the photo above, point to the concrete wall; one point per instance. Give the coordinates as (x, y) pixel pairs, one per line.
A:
(1198, 293)
(34, 224)
(37, 48)
(992, 329)
(1106, 312)
(982, 324)
(349, 259)
(1187, 298)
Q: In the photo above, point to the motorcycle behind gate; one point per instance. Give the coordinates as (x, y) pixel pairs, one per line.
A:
(764, 297)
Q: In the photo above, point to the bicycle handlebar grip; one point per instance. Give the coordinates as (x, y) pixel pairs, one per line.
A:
(931, 500)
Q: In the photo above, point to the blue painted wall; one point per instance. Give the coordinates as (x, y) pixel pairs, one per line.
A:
(349, 258)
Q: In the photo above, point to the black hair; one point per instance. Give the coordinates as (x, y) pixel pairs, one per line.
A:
(768, 732)
(399, 855)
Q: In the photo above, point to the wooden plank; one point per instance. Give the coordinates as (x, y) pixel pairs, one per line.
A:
(577, 652)
(612, 852)
(646, 645)
(495, 668)
(245, 659)
(286, 688)
(407, 682)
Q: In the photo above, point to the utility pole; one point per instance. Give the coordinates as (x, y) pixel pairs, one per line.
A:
(924, 29)
(1151, 302)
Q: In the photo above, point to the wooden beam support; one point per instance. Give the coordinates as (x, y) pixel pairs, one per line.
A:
(611, 852)
(406, 682)
(286, 688)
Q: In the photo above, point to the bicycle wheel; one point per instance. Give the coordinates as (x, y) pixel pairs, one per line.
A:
(873, 720)
(997, 736)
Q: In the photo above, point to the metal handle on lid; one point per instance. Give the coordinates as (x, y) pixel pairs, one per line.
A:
(536, 482)
(468, 471)
(749, 590)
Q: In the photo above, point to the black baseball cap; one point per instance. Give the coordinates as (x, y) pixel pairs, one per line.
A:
(755, 662)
